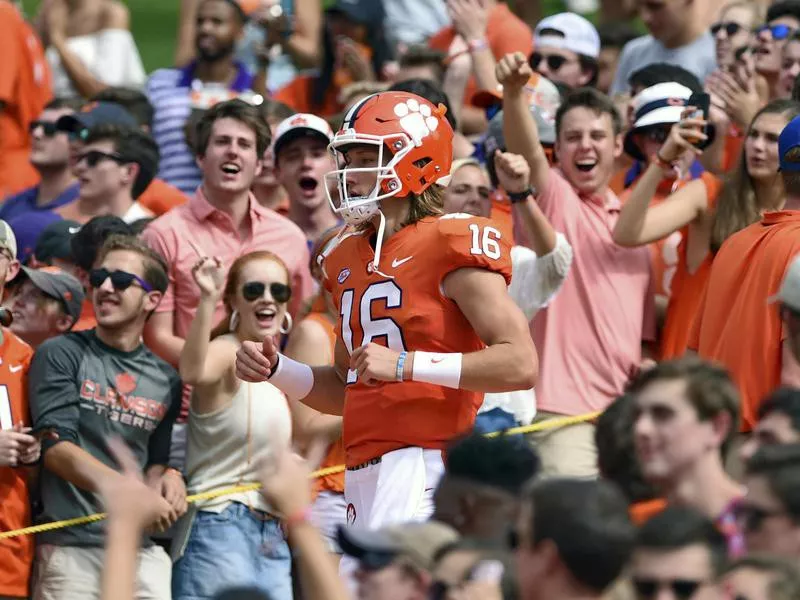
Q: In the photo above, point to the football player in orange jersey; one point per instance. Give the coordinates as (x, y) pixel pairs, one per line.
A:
(426, 325)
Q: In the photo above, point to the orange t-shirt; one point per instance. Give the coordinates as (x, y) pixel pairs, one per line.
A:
(25, 89)
(159, 197)
(735, 325)
(87, 319)
(16, 554)
(404, 309)
(297, 95)
(335, 456)
(505, 33)
(687, 288)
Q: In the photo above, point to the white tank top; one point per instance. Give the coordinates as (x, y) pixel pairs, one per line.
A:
(226, 446)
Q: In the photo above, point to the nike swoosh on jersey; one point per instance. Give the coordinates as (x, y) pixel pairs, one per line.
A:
(396, 263)
(15, 368)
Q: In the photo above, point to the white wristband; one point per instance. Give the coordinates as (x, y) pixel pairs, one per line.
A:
(293, 378)
(438, 369)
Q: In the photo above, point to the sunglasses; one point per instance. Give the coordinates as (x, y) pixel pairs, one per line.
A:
(554, 61)
(253, 290)
(682, 589)
(779, 32)
(752, 518)
(94, 157)
(656, 134)
(48, 127)
(121, 280)
(730, 28)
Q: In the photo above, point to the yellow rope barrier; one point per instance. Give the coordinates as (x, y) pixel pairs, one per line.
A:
(540, 426)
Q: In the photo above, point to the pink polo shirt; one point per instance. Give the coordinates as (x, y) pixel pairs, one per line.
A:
(213, 232)
(589, 338)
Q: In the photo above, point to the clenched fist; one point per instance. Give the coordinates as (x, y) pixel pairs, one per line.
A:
(254, 361)
(513, 73)
(513, 172)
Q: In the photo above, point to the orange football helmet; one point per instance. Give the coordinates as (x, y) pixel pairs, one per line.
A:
(415, 149)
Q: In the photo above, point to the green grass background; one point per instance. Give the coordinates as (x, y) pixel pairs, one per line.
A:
(155, 23)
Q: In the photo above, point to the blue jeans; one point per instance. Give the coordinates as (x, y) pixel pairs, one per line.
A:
(234, 548)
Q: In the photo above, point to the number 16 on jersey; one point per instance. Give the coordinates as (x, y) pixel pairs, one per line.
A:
(387, 292)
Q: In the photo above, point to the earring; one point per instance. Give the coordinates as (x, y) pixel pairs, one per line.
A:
(234, 321)
(288, 327)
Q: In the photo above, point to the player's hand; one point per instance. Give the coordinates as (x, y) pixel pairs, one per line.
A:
(374, 363)
(209, 276)
(29, 453)
(513, 73)
(127, 498)
(683, 136)
(513, 172)
(16, 445)
(254, 361)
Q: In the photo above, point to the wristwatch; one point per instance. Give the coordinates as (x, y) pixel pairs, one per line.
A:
(515, 197)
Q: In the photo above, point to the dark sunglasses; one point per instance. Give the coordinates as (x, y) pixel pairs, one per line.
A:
(48, 127)
(655, 134)
(752, 518)
(94, 157)
(779, 32)
(682, 589)
(554, 61)
(730, 28)
(121, 280)
(253, 290)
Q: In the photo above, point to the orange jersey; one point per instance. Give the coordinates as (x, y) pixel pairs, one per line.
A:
(25, 88)
(160, 197)
(335, 456)
(16, 554)
(405, 309)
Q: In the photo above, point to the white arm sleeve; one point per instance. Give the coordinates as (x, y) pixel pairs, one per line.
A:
(536, 279)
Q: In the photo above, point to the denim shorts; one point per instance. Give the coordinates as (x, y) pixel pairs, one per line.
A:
(235, 548)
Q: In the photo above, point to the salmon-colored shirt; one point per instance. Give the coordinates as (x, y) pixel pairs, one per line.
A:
(25, 88)
(687, 288)
(589, 338)
(505, 33)
(736, 326)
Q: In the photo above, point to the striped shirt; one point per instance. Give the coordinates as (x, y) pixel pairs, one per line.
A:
(173, 93)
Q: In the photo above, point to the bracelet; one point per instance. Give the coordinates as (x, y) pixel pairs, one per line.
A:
(477, 45)
(515, 197)
(298, 518)
(174, 470)
(401, 362)
(663, 163)
(438, 369)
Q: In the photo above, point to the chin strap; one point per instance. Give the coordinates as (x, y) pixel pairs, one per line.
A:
(379, 245)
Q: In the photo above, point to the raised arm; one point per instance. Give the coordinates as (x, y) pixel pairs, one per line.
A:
(639, 223)
(519, 128)
(203, 362)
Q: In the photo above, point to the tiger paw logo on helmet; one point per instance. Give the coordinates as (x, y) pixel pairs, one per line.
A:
(416, 120)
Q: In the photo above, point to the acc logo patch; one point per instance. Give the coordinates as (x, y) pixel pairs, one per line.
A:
(343, 275)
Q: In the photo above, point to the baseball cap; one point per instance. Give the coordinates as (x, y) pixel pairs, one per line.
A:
(419, 542)
(366, 12)
(660, 104)
(54, 241)
(28, 228)
(96, 113)
(789, 292)
(789, 139)
(541, 92)
(577, 34)
(57, 284)
(8, 241)
(300, 125)
(494, 139)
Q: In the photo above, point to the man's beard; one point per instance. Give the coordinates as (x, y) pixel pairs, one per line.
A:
(215, 55)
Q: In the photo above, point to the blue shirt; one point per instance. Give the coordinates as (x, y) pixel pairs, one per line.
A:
(25, 202)
(170, 93)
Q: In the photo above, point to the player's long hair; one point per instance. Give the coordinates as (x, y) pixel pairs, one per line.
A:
(430, 203)
(233, 283)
